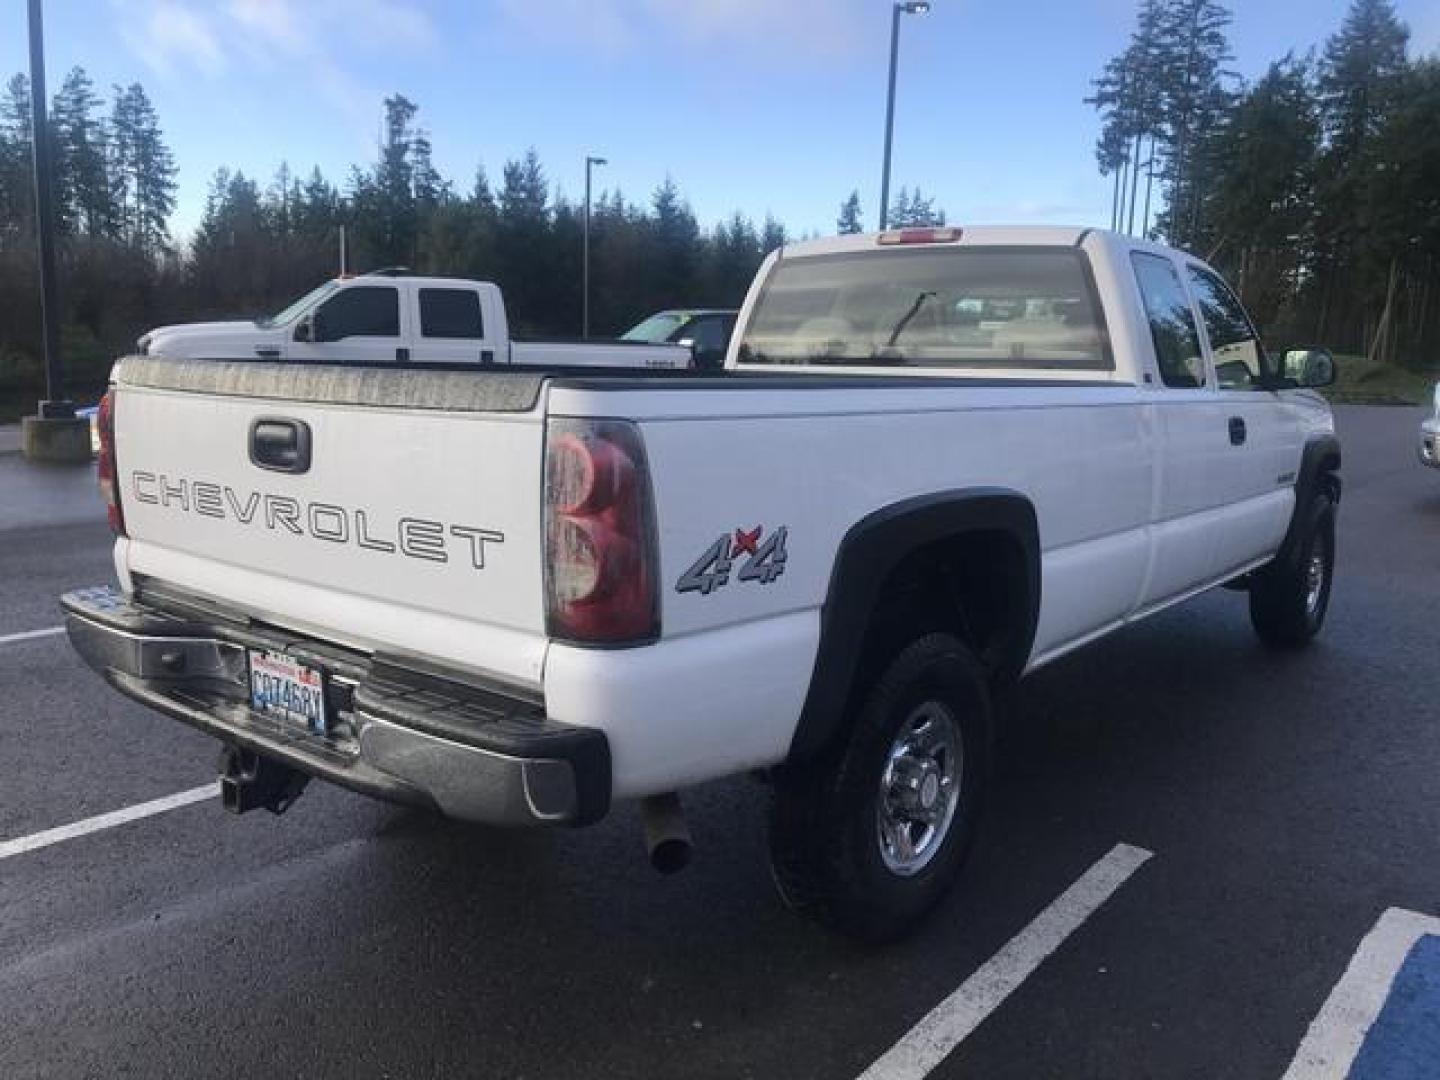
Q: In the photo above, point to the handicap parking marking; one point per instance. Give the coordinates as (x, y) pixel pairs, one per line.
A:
(31, 635)
(1382, 1020)
(930, 1041)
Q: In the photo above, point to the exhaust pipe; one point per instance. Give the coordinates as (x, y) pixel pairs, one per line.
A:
(667, 837)
(249, 781)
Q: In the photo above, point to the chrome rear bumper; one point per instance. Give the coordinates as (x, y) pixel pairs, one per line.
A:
(400, 734)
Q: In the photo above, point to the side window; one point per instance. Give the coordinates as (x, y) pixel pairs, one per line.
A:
(359, 311)
(450, 313)
(1233, 342)
(1172, 323)
(708, 333)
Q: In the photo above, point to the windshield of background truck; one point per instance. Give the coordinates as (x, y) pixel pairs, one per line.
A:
(299, 307)
(969, 307)
(656, 329)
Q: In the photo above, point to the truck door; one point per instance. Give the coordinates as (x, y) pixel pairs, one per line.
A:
(451, 326)
(1263, 435)
(1192, 439)
(359, 324)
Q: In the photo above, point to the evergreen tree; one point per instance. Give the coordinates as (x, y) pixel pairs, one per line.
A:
(772, 236)
(83, 200)
(17, 181)
(912, 210)
(850, 214)
(142, 171)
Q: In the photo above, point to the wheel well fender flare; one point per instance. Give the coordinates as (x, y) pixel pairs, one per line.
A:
(870, 550)
(1319, 470)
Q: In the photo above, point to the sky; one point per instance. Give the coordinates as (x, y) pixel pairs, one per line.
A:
(762, 106)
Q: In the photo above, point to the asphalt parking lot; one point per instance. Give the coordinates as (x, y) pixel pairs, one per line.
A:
(1287, 803)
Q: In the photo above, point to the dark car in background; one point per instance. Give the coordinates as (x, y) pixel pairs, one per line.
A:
(707, 331)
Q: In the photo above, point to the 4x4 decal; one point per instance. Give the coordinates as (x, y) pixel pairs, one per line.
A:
(765, 561)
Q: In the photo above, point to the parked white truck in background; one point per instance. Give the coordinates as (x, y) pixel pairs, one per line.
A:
(1429, 445)
(936, 460)
(390, 317)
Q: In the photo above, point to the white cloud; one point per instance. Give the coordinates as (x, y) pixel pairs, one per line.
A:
(308, 42)
(798, 29)
(171, 38)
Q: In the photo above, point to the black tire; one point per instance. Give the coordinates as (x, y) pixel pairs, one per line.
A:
(826, 851)
(1287, 606)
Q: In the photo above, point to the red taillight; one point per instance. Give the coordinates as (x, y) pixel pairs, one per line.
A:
(105, 470)
(599, 534)
(919, 236)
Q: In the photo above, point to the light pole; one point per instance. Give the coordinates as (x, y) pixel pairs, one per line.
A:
(590, 163)
(911, 7)
(54, 433)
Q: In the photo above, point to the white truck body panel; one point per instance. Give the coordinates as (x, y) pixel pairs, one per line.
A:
(298, 571)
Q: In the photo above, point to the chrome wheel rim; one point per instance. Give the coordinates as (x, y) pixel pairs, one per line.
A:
(1315, 577)
(919, 789)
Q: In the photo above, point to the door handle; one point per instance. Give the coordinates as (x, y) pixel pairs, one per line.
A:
(267, 352)
(280, 445)
(402, 355)
(1237, 430)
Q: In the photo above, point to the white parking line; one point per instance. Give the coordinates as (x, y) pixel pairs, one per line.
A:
(1339, 1029)
(949, 1023)
(105, 821)
(30, 635)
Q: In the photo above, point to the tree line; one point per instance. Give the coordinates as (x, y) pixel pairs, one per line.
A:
(263, 242)
(1315, 188)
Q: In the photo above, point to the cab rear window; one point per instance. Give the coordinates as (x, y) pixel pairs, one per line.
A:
(450, 313)
(957, 308)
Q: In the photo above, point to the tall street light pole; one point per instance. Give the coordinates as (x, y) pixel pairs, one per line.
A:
(54, 433)
(913, 7)
(55, 404)
(590, 163)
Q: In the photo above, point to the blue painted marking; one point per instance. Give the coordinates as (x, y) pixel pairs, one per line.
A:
(1404, 1042)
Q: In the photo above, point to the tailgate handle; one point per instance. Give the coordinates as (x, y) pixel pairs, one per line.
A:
(280, 445)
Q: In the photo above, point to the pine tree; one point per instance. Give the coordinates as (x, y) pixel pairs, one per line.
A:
(772, 236)
(142, 171)
(1191, 50)
(912, 210)
(1360, 73)
(84, 202)
(849, 221)
(17, 182)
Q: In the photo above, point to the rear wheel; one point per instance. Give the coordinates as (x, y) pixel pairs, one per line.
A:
(1289, 598)
(868, 838)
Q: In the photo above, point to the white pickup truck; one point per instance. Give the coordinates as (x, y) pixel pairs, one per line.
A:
(392, 317)
(936, 460)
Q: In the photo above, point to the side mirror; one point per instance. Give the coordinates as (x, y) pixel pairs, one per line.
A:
(305, 330)
(1308, 367)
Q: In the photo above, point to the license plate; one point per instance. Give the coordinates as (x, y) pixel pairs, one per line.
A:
(287, 690)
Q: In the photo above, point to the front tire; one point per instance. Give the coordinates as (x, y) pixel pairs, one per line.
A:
(868, 838)
(1289, 599)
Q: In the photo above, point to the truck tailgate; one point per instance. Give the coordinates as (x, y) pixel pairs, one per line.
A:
(413, 528)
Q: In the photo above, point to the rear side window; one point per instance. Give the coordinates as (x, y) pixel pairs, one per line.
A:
(1172, 322)
(450, 313)
(959, 308)
(359, 311)
(709, 333)
(1234, 345)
